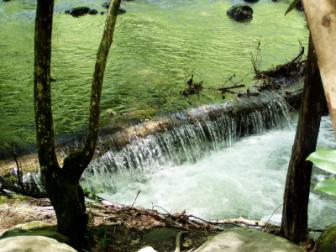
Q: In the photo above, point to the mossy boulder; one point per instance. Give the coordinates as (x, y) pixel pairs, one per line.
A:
(35, 228)
(33, 244)
(248, 240)
(327, 241)
(240, 12)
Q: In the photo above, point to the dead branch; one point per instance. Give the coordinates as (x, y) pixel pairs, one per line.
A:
(192, 87)
(5, 185)
(224, 90)
(289, 69)
(18, 170)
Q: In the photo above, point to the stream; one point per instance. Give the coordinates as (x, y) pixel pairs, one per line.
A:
(215, 177)
(158, 45)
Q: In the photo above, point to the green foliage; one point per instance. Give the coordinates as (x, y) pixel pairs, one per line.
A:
(292, 6)
(325, 159)
(327, 186)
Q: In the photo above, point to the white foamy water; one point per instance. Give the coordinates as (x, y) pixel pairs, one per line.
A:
(246, 179)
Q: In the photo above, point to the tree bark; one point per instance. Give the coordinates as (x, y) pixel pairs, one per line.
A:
(296, 197)
(62, 184)
(321, 19)
(67, 198)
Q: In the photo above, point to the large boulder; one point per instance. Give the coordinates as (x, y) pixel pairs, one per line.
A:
(240, 12)
(35, 228)
(247, 240)
(327, 241)
(33, 244)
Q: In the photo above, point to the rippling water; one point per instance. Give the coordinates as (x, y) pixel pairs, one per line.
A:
(158, 45)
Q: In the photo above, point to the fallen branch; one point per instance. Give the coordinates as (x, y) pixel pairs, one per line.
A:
(193, 87)
(283, 74)
(5, 185)
(224, 90)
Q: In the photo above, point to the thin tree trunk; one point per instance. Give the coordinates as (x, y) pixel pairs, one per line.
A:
(296, 197)
(42, 94)
(78, 161)
(62, 184)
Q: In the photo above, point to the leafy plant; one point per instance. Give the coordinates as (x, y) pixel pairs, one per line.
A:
(325, 159)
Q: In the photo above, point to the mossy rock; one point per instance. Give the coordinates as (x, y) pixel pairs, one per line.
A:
(33, 244)
(248, 240)
(327, 240)
(36, 228)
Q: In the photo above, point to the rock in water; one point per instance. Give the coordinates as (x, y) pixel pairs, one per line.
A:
(248, 240)
(33, 244)
(240, 12)
(78, 11)
(251, 1)
(93, 12)
(121, 11)
(327, 241)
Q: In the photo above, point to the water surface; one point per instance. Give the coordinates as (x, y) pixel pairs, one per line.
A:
(158, 45)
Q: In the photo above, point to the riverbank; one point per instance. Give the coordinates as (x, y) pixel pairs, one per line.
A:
(119, 228)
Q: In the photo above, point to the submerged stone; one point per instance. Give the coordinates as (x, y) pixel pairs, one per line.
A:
(240, 12)
(33, 244)
(93, 12)
(106, 5)
(251, 1)
(248, 240)
(327, 241)
(80, 11)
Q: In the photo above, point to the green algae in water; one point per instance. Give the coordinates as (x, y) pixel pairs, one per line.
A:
(157, 46)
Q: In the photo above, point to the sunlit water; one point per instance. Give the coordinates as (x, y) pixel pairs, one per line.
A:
(158, 45)
(246, 179)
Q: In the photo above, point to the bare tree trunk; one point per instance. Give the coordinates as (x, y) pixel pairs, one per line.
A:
(321, 19)
(296, 197)
(62, 184)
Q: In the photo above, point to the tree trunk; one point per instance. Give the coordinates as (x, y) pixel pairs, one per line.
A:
(62, 184)
(296, 197)
(321, 19)
(67, 198)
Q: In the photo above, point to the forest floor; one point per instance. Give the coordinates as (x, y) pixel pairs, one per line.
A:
(111, 227)
(117, 228)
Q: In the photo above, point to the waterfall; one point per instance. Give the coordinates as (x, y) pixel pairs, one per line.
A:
(187, 137)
